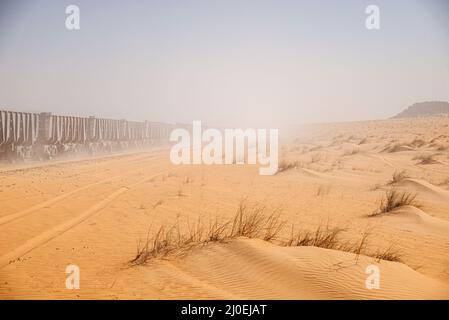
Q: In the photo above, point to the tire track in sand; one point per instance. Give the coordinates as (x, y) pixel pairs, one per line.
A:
(63, 227)
(21, 213)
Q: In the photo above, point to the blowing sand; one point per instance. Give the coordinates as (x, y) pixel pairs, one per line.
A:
(93, 213)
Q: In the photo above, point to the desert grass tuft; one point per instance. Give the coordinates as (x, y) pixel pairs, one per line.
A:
(273, 226)
(394, 148)
(418, 143)
(398, 176)
(425, 159)
(250, 221)
(393, 199)
(389, 254)
(323, 237)
(287, 165)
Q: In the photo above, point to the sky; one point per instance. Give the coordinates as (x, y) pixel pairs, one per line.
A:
(228, 63)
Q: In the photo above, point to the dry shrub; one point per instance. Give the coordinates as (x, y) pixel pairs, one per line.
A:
(398, 176)
(418, 143)
(250, 222)
(438, 138)
(425, 159)
(390, 254)
(394, 148)
(217, 231)
(287, 165)
(360, 247)
(160, 245)
(394, 199)
(397, 147)
(322, 237)
(273, 226)
(328, 238)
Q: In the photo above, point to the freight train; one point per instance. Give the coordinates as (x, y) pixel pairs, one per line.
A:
(43, 136)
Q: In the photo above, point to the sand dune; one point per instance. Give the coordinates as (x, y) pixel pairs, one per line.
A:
(425, 188)
(415, 219)
(255, 269)
(93, 212)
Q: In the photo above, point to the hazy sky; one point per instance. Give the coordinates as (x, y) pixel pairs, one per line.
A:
(251, 62)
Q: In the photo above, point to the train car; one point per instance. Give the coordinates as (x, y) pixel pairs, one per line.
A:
(18, 133)
(44, 135)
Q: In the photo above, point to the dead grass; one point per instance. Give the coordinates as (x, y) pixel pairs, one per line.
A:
(398, 176)
(250, 222)
(273, 226)
(329, 238)
(389, 254)
(395, 199)
(360, 247)
(397, 147)
(287, 165)
(217, 231)
(417, 143)
(322, 237)
(425, 159)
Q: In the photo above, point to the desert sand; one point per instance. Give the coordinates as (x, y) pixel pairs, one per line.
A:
(95, 213)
